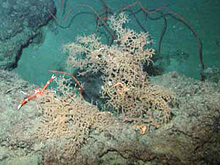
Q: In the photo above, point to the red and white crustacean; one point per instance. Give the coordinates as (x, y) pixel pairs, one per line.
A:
(37, 92)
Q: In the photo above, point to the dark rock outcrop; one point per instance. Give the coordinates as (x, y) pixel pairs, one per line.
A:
(20, 22)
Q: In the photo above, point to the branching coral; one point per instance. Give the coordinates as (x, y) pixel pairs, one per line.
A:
(125, 84)
(67, 119)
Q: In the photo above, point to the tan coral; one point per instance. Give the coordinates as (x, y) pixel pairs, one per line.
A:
(142, 129)
(125, 84)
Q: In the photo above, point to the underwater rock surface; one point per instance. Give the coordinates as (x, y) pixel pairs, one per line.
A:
(190, 137)
(20, 23)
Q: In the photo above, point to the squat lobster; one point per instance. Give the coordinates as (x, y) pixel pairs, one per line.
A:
(37, 92)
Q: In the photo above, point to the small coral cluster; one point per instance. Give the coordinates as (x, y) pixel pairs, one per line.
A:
(125, 84)
(67, 119)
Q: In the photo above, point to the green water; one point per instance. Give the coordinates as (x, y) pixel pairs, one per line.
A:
(179, 49)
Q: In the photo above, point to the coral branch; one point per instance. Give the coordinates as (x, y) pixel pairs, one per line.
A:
(74, 78)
